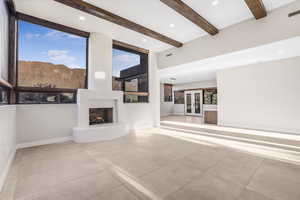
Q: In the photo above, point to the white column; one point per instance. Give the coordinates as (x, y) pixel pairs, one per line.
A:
(100, 62)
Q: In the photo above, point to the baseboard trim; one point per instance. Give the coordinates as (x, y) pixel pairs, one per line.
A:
(4, 174)
(44, 142)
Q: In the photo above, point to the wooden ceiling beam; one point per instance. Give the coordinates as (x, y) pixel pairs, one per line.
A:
(106, 15)
(257, 8)
(129, 46)
(52, 25)
(186, 11)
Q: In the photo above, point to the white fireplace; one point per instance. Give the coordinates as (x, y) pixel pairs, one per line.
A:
(88, 99)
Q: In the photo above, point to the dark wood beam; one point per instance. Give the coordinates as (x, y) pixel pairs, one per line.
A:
(50, 90)
(191, 15)
(257, 8)
(137, 93)
(294, 13)
(103, 14)
(129, 46)
(53, 25)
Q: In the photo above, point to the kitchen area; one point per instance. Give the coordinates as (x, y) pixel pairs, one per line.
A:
(196, 105)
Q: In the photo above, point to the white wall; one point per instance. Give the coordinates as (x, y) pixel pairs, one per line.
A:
(252, 33)
(7, 139)
(263, 96)
(3, 41)
(44, 122)
(100, 60)
(169, 108)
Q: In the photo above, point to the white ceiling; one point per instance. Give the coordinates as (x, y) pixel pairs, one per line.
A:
(206, 69)
(150, 13)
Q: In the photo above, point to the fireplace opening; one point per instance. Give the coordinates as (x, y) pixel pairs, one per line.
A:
(101, 115)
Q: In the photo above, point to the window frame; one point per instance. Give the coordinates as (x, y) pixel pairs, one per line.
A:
(54, 26)
(144, 62)
(47, 92)
(7, 94)
(8, 88)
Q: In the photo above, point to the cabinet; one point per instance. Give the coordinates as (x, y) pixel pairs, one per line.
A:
(211, 117)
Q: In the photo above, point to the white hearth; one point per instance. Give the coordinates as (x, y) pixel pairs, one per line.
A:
(86, 99)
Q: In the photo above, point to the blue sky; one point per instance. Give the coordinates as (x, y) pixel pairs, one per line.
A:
(122, 60)
(38, 43)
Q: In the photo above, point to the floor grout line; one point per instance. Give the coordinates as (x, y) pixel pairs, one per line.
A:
(197, 177)
(250, 178)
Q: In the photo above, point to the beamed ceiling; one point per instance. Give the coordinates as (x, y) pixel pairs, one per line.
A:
(152, 24)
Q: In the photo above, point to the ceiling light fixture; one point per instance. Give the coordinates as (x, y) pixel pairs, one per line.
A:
(215, 2)
(144, 40)
(172, 25)
(82, 18)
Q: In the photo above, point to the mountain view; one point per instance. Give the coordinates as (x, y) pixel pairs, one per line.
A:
(43, 74)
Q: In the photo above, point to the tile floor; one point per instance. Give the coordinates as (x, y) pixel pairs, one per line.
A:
(148, 165)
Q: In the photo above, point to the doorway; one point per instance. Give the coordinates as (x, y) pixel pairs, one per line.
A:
(193, 103)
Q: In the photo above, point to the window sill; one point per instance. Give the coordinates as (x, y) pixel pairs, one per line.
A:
(46, 104)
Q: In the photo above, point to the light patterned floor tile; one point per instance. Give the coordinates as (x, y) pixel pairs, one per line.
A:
(277, 180)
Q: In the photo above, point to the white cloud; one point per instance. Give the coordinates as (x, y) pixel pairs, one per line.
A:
(62, 57)
(116, 73)
(60, 35)
(31, 35)
(74, 66)
(127, 58)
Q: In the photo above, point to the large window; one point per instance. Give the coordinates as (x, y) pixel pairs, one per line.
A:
(210, 96)
(168, 92)
(130, 74)
(178, 97)
(4, 95)
(45, 98)
(51, 65)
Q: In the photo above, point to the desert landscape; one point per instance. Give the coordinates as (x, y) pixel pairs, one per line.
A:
(48, 75)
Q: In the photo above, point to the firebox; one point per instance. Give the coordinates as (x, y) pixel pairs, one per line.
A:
(100, 115)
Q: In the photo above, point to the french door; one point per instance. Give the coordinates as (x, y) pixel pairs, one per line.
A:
(193, 102)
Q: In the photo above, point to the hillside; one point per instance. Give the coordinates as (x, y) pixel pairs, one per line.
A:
(42, 74)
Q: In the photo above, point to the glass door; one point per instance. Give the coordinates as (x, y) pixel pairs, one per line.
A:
(197, 103)
(194, 103)
(188, 103)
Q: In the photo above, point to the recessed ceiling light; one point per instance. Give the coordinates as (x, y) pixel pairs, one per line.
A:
(215, 2)
(144, 40)
(172, 25)
(82, 18)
